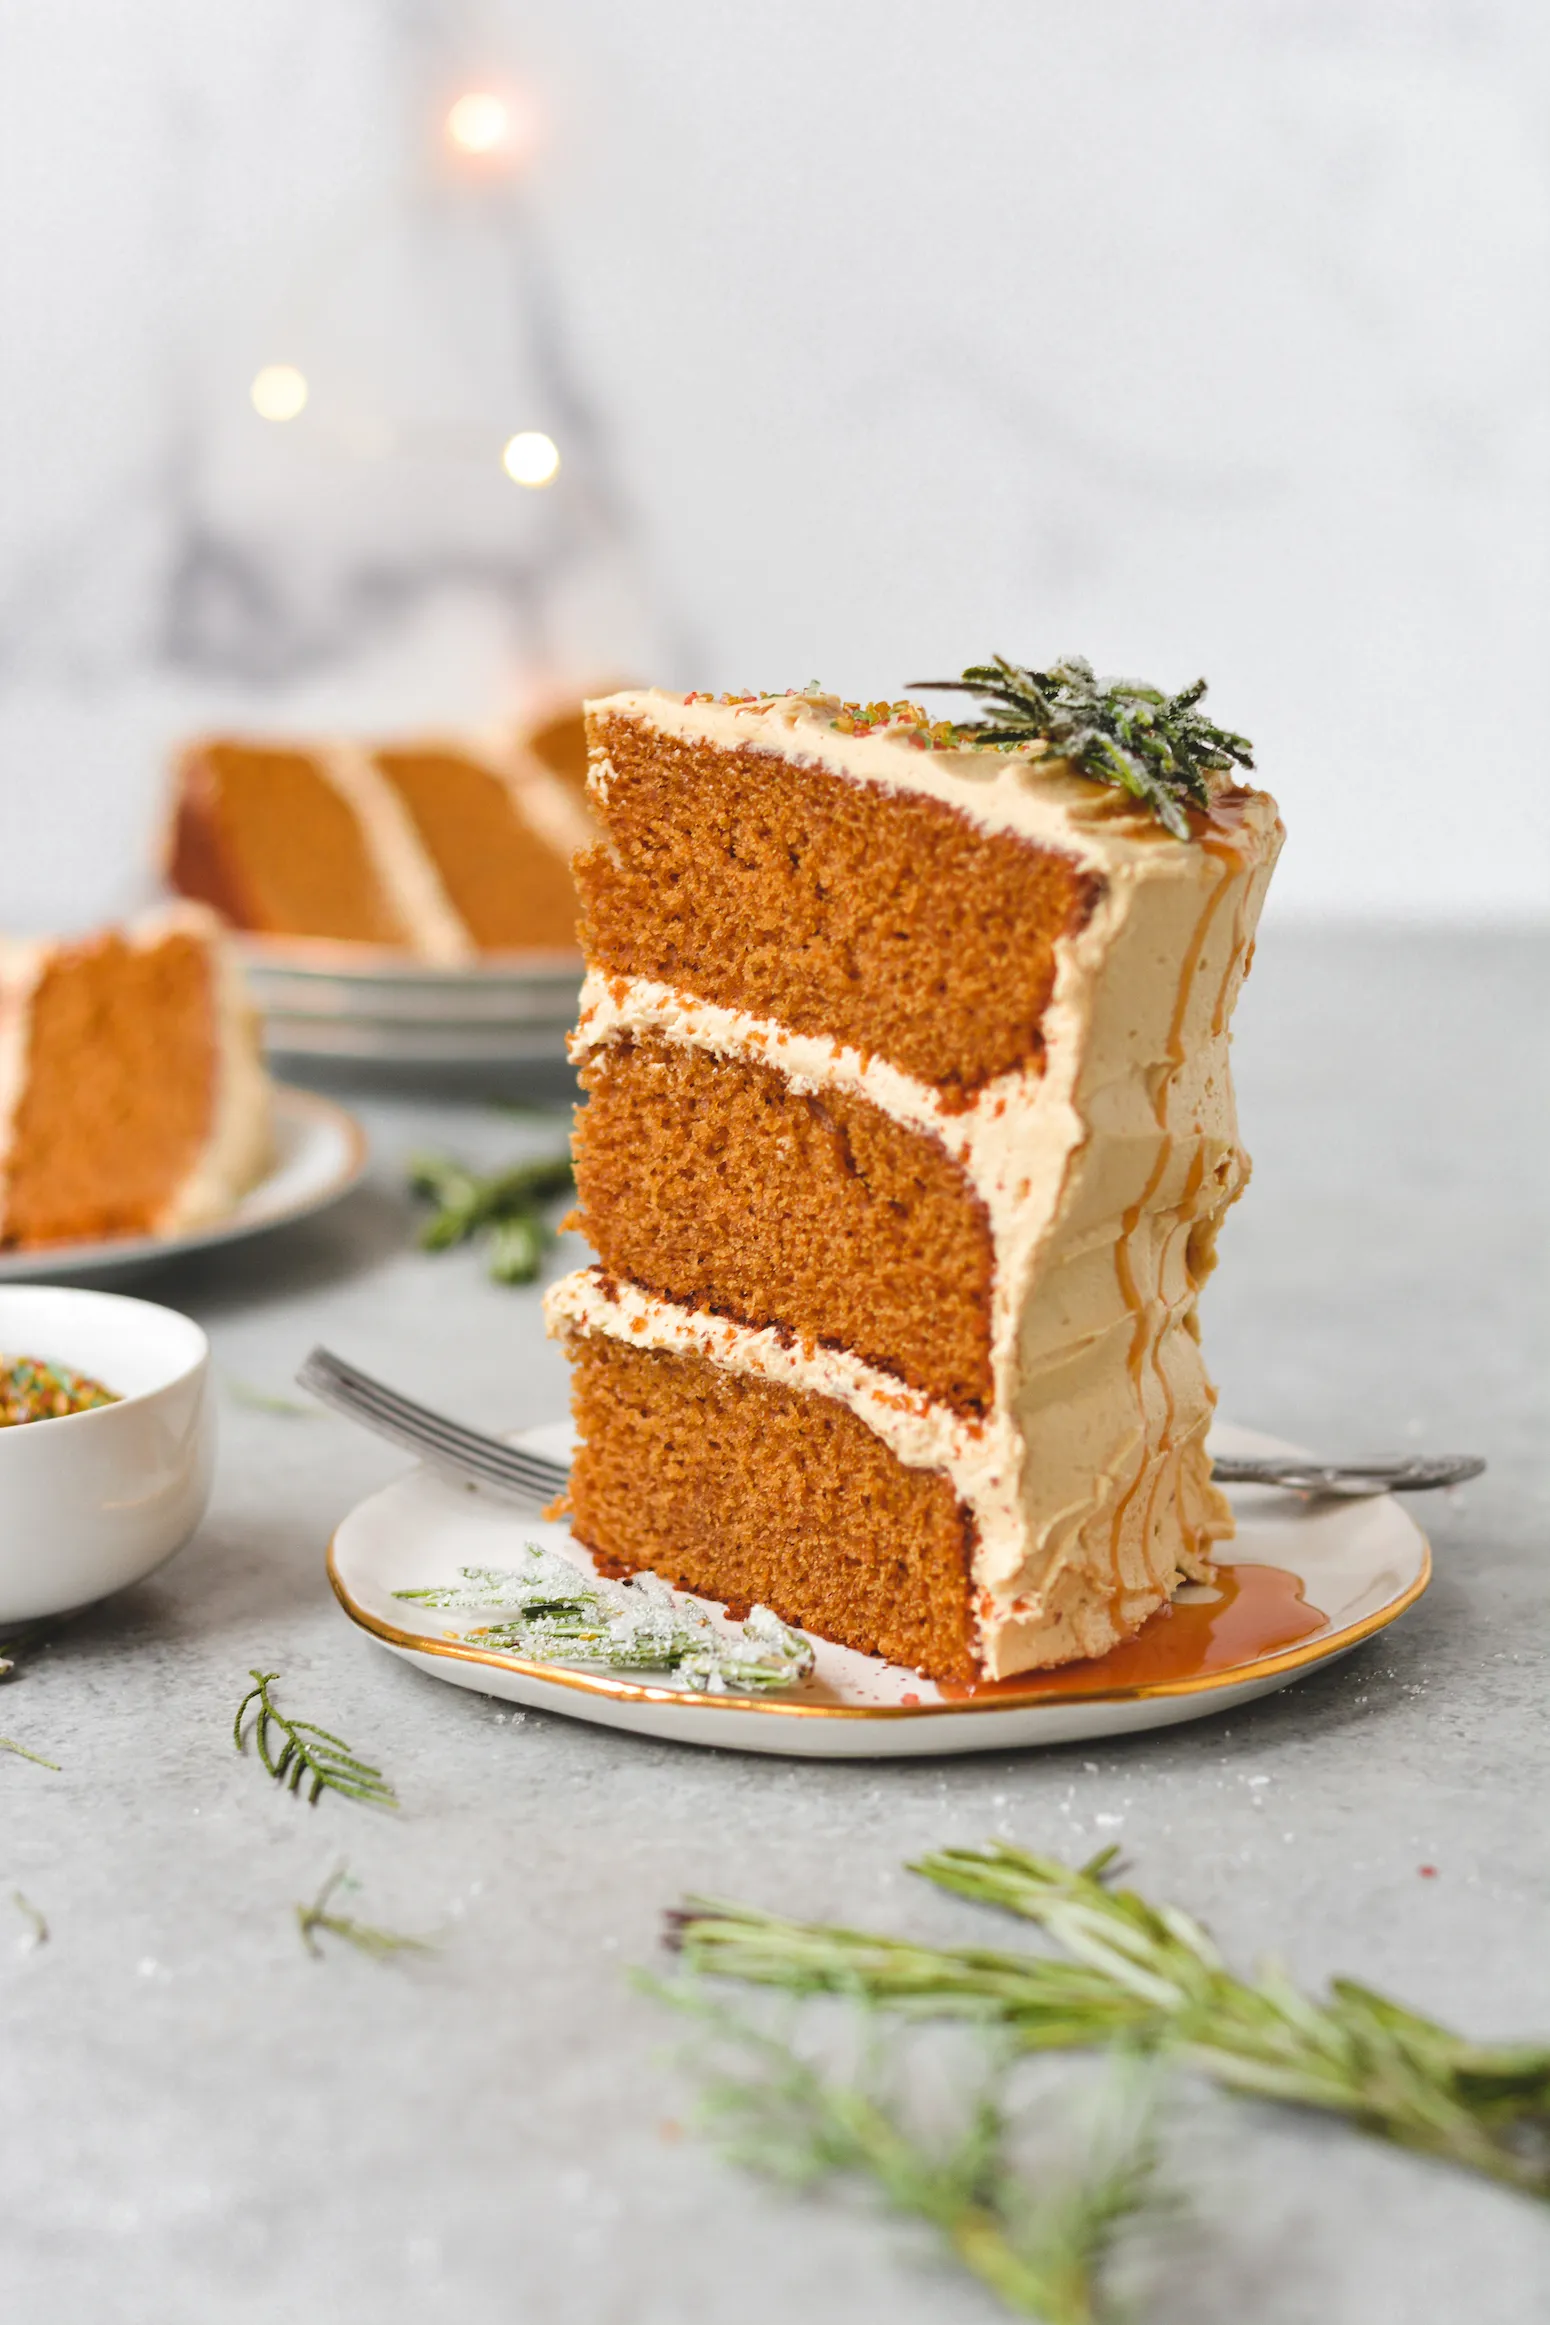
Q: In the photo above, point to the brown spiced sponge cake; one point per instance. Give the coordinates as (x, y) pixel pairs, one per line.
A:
(133, 1100)
(443, 847)
(909, 1126)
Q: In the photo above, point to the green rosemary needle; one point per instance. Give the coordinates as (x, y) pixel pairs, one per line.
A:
(1046, 2250)
(1157, 747)
(22, 1753)
(1149, 1976)
(504, 1202)
(299, 1752)
(257, 1400)
(37, 1926)
(380, 1943)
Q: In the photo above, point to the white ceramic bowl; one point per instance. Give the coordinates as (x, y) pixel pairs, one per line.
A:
(93, 1501)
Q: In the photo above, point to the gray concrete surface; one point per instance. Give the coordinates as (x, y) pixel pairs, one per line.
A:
(202, 2125)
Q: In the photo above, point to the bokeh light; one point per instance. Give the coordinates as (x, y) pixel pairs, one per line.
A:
(531, 458)
(480, 122)
(279, 392)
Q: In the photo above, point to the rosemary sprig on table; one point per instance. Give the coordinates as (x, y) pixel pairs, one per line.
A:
(1045, 2248)
(366, 1939)
(506, 1203)
(562, 1615)
(1149, 1976)
(37, 1926)
(257, 1400)
(7, 1744)
(299, 1752)
(1157, 747)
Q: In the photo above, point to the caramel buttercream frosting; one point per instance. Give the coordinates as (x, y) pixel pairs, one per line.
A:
(1104, 1166)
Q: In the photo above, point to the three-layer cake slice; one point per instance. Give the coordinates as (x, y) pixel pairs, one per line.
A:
(909, 1128)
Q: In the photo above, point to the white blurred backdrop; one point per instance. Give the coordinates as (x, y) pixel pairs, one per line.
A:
(873, 336)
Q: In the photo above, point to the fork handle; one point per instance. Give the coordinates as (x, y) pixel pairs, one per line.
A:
(1353, 1477)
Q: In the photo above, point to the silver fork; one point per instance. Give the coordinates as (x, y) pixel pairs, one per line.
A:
(441, 1443)
(1352, 1479)
(530, 1477)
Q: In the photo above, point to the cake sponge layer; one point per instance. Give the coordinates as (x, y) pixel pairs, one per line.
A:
(507, 886)
(755, 1494)
(880, 918)
(264, 836)
(714, 1183)
(133, 1100)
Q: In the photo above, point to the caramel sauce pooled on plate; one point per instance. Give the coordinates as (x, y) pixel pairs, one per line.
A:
(1247, 1612)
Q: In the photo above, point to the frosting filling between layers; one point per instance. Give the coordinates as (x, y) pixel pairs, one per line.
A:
(402, 865)
(240, 1146)
(1024, 792)
(1103, 1176)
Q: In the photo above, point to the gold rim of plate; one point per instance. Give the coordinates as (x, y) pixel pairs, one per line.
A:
(1286, 1659)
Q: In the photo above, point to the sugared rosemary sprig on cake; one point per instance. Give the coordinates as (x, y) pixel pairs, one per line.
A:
(504, 1203)
(298, 1753)
(381, 1944)
(1149, 1977)
(562, 1615)
(1157, 747)
(1045, 2245)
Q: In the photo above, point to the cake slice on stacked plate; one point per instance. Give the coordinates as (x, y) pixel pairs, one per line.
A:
(908, 1134)
(133, 1099)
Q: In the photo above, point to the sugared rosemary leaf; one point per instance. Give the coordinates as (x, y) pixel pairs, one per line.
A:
(299, 1753)
(1159, 748)
(561, 1614)
(22, 1753)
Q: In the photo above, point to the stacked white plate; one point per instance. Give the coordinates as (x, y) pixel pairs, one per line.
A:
(360, 1007)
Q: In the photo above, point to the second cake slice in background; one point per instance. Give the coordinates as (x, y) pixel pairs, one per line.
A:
(441, 848)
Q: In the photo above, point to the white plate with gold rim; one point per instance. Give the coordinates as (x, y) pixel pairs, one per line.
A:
(1307, 1583)
(320, 1154)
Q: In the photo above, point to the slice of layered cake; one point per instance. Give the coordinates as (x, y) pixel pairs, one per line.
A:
(909, 1129)
(133, 1100)
(440, 848)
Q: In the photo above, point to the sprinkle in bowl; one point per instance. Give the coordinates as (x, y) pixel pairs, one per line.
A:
(91, 1501)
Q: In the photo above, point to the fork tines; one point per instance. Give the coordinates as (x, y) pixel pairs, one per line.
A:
(444, 1443)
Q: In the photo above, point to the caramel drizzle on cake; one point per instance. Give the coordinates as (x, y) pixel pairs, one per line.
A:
(908, 1096)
